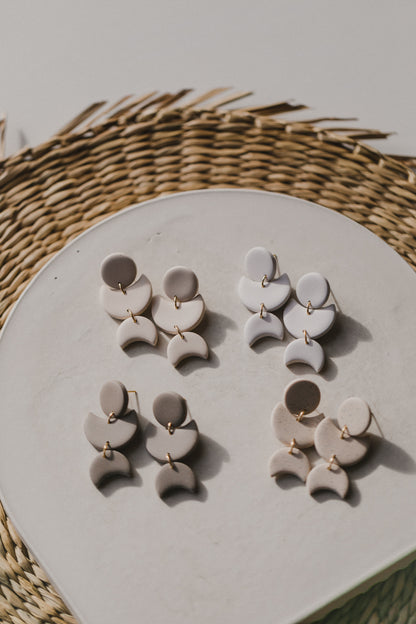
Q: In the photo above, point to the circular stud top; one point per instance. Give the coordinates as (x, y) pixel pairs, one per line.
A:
(114, 398)
(312, 287)
(354, 414)
(258, 263)
(302, 396)
(180, 282)
(118, 268)
(170, 407)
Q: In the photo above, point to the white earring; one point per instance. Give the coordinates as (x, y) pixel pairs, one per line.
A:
(125, 298)
(261, 292)
(307, 319)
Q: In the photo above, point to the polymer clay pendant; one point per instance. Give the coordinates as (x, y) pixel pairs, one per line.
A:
(261, 292)
(180, 314)
(172, 442)
(107, 434)
(306, 319)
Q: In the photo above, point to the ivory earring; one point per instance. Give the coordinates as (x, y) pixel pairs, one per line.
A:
(125, 298)
(171, 442)
(299, 426)
(307, 319)
(180, 314)
(110, 433)
(261, 292)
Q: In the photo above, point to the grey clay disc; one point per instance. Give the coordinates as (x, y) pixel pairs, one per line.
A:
(118, 268)
(118, 432)
(181, 282)
(178, 477)
(312, 287)
(114, 464)
(159, 442)
(258, 263)
(114, 398)
(170, 407)
(302, 395)
(355, 414)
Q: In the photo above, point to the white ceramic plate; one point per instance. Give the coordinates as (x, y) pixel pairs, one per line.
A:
(245, 549)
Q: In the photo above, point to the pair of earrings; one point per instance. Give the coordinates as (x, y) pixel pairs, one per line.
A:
(298, 426)
(305, 318)
(126, 298)
(167, 444)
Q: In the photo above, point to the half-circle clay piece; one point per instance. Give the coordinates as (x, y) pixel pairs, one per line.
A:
(159, 441)
(139, 330)
(296, 319)
(347, 450)
(310, 353)
(287, 428)
(176, 477)
(294, 463)
(187, 316)
(118, 432)
(273, 294)
(136, 299)
(267, 326)
(354, 413)
(114, 464)
(186, 346)
(323, 478)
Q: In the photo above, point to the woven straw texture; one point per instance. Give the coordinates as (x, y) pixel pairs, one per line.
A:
(139, 148)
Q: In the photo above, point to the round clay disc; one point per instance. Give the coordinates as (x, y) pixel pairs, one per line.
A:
(355, 414)
(170, 407)
(302, 396)
(258, 263)
(312, 287)
(117, 268)
(180, 282)
(114, 398)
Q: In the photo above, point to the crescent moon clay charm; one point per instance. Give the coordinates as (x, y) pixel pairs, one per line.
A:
(292, 462)
(137, 329)
(301, 352)
(175, 477)
(323, 477)
(114, 464)
(266, 326)
(186, 345)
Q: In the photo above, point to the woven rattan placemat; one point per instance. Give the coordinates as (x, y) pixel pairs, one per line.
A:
(139, 148)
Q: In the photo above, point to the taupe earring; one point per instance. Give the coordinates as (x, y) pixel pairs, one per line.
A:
(171, 442)
(112, 432)
(180, 314)
(125, 298)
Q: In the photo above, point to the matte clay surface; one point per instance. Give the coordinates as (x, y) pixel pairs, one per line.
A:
(179, 444)
(296, 320)
(260, 263)
(139, 329)
(180, 282)
(266, 326)
(301, 352)
(118, 432)
(187, 316)
(135, 298)
(186, 345)
(117, 270)
(273, 294)
(313, 288)
(347, 450)
(114, 398)
(287, 427)
(240, 526)
(176, 477)
(285, 462)
(321, 477)
(114, 464)
(354, 414)
(170, 407)
(302, 395)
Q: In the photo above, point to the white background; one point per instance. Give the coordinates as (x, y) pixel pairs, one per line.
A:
(353, 58)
